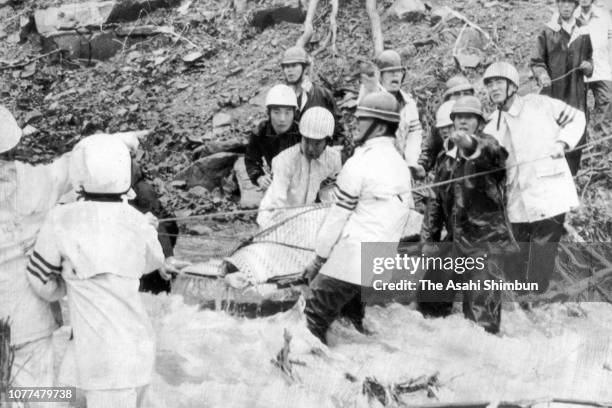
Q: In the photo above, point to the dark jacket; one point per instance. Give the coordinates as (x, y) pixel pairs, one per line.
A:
(320, 96)
(553, 56)
(430, 148)
(472, 209)
(146, 201)
(264, 143)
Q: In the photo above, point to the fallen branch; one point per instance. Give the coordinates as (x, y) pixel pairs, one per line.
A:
(308, 27)
(377, 35)
(23, 64)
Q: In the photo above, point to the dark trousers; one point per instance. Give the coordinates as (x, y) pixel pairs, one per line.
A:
(482, 306)
(602, 114)
(573, 158)
(330, 299)
(538, 242)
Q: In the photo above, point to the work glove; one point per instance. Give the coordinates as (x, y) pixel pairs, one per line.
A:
(312, 270)
(264, 181)
(463, 141)
(151, 220)
(544, 81)
(172, 266)
(587, 68)
(559, 149)
(418, 172)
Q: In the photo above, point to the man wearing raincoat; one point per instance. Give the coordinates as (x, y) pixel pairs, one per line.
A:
(473, 212)
(373, 200)
(27, 193)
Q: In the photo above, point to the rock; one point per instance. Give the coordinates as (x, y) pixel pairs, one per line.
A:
(250, 194)
(209, 172)
(178, 183)
(137, 95)
(470, 48)
(441, 14)
(54, 107)
(221, 119)
(198, 191)
(260, 98)
(192, 57)
(29, 70)
(102, 46)
(76, 27)
(409, 10)
(30, 130)
(212, 147)
(32, 116)
(94, 13)
(288, 11)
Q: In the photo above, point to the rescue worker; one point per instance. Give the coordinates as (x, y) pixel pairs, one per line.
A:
(410, 133)
(563, 53)
(94, 251)
(536, 130)
(473, 212)
(301, 170)
(294, 63)
(27, 193)
(373, 203)
(597, 21)
(273, 135)
(456, 87)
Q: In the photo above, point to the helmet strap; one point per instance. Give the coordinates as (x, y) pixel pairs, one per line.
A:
(368, 132)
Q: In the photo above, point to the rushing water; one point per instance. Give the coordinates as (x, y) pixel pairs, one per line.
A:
(211, 359)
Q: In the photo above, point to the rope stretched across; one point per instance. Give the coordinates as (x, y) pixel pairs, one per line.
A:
(413, 189)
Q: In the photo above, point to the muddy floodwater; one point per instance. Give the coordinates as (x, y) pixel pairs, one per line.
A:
(211, 359)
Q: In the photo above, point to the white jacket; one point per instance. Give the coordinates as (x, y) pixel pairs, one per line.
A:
(409, 135)
(96, 252)
(373, 204)
(599, 26)
(27, 193)
(296, 181)
(539, 187)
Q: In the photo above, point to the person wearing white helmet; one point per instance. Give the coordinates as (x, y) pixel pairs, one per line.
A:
(473, 213)
(273, 135)
(94, 251)
(564, 52)
(27, 193)
(536, 130)
(300, 171)
(373, 201)
(391, 73)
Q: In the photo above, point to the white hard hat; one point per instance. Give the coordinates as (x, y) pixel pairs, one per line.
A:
(101, 164)
(317, 123)
(281, 95)
(443, 115)
(10, 132)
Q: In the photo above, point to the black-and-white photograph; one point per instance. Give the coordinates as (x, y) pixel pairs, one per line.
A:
(306, 203)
